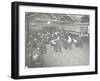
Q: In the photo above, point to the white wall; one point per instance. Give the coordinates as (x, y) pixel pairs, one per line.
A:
(5, 40)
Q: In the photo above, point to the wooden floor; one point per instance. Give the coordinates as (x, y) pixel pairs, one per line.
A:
(75, 56)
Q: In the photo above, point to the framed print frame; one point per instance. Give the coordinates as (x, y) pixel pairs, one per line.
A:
(50, 40)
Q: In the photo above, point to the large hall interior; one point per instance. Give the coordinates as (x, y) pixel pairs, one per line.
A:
(56, 40)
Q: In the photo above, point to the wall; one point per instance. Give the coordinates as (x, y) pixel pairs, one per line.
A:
(5, 40)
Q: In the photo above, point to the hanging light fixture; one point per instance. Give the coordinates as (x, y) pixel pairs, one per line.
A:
(49, 22)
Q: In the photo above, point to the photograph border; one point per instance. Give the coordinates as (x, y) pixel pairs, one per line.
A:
(15, 39)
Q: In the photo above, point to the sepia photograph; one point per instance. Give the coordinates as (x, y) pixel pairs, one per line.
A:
(55, 40)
